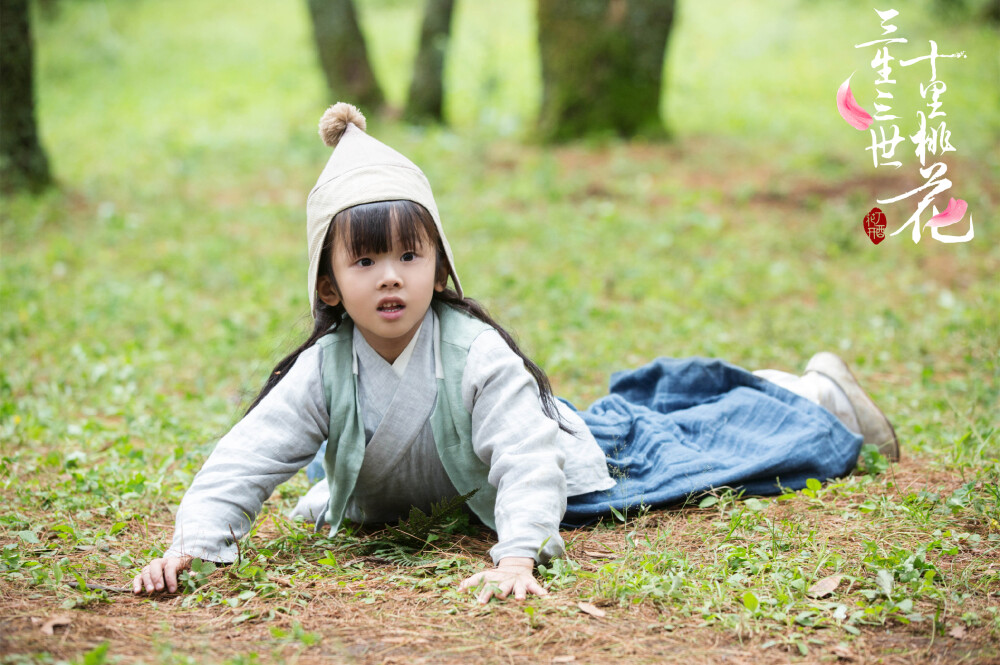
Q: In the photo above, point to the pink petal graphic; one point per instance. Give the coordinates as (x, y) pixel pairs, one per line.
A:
(953, 213)
(856, 117)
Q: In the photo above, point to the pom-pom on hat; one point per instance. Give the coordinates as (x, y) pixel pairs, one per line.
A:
(361, 170)
(335, 121)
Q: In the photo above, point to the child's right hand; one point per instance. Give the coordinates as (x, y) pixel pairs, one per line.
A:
(512, 574)
(160, 573)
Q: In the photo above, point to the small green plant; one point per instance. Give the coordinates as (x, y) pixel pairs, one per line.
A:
(533, 616)
(96, 656)
(196, 575)
(297, 634)
(559, 572)
(812, 489)
(871, 461)
(722, 498)
(403, 542)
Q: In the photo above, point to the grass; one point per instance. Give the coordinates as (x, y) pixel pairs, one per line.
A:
(145, 300)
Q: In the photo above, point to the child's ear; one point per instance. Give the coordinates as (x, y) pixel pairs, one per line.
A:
(439, 287)
(326, 292)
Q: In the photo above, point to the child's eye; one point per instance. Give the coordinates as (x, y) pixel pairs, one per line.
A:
(365, 262)
(408, 256)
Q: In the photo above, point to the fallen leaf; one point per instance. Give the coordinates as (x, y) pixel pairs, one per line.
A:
(884, 579)
(592, 610)
(842, 652)
(564, 659)
(598, 555)
(825, 586)
(52, 622)
(958, 632)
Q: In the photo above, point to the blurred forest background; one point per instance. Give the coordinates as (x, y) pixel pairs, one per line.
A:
(181, 139)
(150, 285)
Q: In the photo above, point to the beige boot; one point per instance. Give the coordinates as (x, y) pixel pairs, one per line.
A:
(875, 427)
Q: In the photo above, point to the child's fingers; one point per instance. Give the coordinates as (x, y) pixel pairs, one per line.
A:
(536, 588)
(506, 587)
(529, 585)
(152, 575)
(170, 573)
(488, 591)
(470, 582)
(501, 584)
(491, 589)
(156, 573)
(146, 581)
(160, 574)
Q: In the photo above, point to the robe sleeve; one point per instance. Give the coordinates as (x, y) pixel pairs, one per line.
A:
(512, 434)
(264, 449)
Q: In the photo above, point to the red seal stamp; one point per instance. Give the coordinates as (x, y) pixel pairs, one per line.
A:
(874, 225)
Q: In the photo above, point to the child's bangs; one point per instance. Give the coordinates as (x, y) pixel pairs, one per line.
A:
(371, 228)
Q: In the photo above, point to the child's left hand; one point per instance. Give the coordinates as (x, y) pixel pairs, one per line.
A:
(511, 574)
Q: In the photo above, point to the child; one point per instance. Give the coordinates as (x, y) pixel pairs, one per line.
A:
(422, 396)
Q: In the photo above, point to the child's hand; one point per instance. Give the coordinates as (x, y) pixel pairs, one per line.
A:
(511, 574)
(160, 573)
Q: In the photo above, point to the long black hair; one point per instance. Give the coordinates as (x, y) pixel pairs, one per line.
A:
(371, 228)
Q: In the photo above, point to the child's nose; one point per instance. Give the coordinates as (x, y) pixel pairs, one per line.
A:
(390, 277)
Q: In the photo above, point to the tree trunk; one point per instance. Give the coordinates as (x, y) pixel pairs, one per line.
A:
(342, 54)
(602, 64)
(992, 11)
(426, 98)
(22, 161)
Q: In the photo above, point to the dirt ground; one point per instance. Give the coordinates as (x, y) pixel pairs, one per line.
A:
(413, 626)
(400, 634)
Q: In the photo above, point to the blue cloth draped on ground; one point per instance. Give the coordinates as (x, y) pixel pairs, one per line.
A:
(680, 426)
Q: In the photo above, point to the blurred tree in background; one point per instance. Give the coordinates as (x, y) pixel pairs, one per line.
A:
(343, 55)
(23, 163)
(426, 98)
(602, 64)
(960, 10)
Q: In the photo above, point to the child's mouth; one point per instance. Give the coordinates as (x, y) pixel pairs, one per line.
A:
(391, 308)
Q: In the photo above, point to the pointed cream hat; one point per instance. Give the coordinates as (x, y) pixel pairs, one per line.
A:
(361, 170)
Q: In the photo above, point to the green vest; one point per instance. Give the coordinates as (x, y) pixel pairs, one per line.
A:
(450, 422)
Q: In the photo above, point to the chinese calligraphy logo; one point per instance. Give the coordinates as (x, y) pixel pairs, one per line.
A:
(929, 139)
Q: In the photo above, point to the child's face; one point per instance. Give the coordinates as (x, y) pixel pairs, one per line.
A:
(386, 295)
